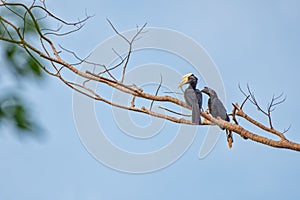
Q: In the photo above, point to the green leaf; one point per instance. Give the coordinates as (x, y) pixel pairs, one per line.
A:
(20, 118)
(10, 51)
(13, 109)
(34, 67)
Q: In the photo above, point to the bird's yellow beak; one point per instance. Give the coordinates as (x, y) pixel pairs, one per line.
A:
(185, 79)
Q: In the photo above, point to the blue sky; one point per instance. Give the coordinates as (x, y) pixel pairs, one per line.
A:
(254, 42)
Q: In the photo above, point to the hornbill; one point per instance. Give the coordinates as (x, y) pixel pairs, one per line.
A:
(217, 109)
(192, 96)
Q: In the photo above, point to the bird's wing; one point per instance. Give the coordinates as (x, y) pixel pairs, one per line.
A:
(191, 99)
(217, 109)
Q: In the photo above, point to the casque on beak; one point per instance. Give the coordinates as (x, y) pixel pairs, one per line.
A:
(185, 79)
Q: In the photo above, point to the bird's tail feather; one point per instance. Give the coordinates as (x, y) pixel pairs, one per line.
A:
(229, 138)
(196, 115)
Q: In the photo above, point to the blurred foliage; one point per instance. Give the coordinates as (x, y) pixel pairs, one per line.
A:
(20, 63)
(12, 109)
(20, 67)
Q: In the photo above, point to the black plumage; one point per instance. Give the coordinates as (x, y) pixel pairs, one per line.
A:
(217, 109)
(192, 96)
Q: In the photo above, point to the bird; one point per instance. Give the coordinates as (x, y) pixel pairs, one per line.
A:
(192, 96)
(217, 109)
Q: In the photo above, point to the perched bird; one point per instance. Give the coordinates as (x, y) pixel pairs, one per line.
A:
(217, 109)
(192, 96)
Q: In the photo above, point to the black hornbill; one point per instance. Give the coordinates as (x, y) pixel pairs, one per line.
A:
(217, 109)
(192, 96)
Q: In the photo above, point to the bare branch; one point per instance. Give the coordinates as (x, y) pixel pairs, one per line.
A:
(233, 114)
(130, 50)
(117, 32)
(286, 130)
(118, 54)
(174, 112)
(84, 60)
(284, 143)
(130, 42)
(242, 114)
(74, 55)
(51, 52)
(156, 91)
(132, 105)
(65, 33)
(242, 105)
(174, 93)
(276, 100)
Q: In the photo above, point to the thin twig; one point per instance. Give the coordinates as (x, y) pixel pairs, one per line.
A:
(156, 91)
(174, 112)
(233, 114)
(242, 105)
(117, 32)
(179, 93)
(286, 130)
(132, 105)
(47, 50)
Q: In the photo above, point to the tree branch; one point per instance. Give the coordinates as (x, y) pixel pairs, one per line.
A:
(156, 91)
(50, 52)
